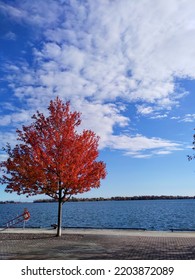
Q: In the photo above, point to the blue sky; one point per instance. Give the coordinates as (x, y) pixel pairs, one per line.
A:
(130, 72)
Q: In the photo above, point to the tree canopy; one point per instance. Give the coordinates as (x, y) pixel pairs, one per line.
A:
(52, 158)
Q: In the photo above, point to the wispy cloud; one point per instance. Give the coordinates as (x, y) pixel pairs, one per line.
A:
(139, 146)
(15, 119)
(98, 52)
(10, 36)
(187, 118)
(144, 110)
(40, 13)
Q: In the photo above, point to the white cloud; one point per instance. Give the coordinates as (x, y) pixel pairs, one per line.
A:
(101, 118)
(144, 110)
(10, 36)
(158, 116)
(188, 118)
(5, 120)
(39, 13)
(105, 51)
(21, 117)
(7, 137)
(163, 153)
(137, 145)
(175, 118)
(152, 112)
(112, 40)
(12, 11)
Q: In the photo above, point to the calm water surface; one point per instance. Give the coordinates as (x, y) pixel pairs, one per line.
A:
(147, 214)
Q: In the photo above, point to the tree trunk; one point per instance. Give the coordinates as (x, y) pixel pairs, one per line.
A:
(59, 228)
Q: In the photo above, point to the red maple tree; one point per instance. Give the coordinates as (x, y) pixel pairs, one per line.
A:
(52, 158)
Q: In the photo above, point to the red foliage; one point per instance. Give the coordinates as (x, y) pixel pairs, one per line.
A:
(52, 158)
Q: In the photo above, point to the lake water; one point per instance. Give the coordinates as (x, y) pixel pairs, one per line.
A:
(140, 214)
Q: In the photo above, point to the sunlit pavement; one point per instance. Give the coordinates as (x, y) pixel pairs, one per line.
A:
(83, 244)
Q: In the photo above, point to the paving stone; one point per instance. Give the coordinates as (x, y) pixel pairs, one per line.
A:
(27, 246)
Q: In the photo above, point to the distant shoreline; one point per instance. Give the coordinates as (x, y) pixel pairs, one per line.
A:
(116, 198)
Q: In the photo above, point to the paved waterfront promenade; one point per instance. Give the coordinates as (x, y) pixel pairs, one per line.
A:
(82, 244)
